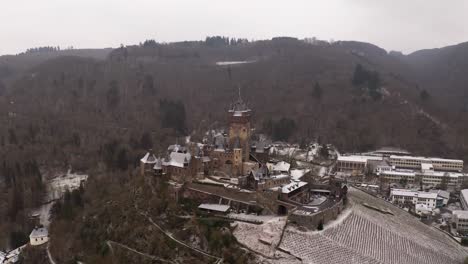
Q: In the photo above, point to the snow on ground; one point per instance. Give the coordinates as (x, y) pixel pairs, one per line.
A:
(296, 174)
(210, 181)
(56, 187)
(69, 181)
(322, 171)
(261, 238)
(226, 63)
(44, 213)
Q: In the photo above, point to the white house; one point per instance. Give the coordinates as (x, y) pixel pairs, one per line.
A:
(39, 236)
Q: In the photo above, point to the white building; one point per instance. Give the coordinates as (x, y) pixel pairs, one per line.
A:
(460, 219)
(464, 199)
(453, 180)
(280, 167)
(402, 196)
(411, 162)
(355, 164)
(39, 236)
(395, 176)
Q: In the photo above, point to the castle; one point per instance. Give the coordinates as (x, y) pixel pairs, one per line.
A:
(228, 153)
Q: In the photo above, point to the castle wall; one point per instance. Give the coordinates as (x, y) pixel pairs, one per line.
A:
(313, 220)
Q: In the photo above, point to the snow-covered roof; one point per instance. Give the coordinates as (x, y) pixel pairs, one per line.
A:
(39, 232)
(426, 166)
(281, 166)
(177, 159)
(294, 185)
(215, 207)
(279, 176)
(443, 173)
(352, 158)
(239, 108)
(463, 214)
(297, 174)
(398, 173)
(149, 158)
(424, 159)
(410, 193)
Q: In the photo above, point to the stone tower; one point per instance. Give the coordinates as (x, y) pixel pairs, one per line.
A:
(237, 158)
(239, 127)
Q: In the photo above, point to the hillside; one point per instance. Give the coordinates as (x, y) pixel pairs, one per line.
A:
(365, 235)
(443, 72)
(278, 83)
(100, 110)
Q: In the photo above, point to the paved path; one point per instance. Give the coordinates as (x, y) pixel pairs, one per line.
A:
(51, 260)
(218, 260)
(110, 242)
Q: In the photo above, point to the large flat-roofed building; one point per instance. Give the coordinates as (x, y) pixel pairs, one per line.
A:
(430, 200)
(396, 176)
(460, 219)
(451, 179)
(355, 163)
(464, 199)
(438, 164)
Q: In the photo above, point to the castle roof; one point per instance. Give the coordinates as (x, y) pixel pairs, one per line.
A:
(149, 158)
(177, 159)
(239, 108)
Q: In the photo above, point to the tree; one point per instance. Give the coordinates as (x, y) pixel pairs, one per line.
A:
(283, 129)
(145, 141)
(12, 137)
(324, 152)
(173, 115)
(403, 181)
(122, 159)
(17, 239)
(360, 75)
(444, 181)
(148, 85)
(113, 95)
(317, 92)
(424, 95)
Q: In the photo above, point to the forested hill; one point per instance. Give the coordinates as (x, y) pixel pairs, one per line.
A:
(78, 107)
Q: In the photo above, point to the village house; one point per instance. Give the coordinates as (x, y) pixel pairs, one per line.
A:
(39, 236)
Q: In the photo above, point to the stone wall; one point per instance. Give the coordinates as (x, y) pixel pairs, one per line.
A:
(313, 220)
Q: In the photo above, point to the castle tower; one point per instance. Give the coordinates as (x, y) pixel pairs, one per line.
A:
(237, 158)
(239, 126)
(147, 163)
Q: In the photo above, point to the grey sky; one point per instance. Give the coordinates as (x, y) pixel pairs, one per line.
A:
(404, 25)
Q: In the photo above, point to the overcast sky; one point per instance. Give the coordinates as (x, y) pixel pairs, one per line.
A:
(404, 25)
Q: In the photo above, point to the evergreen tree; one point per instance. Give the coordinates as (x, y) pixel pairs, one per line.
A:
(317, 91)
(424, 95)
